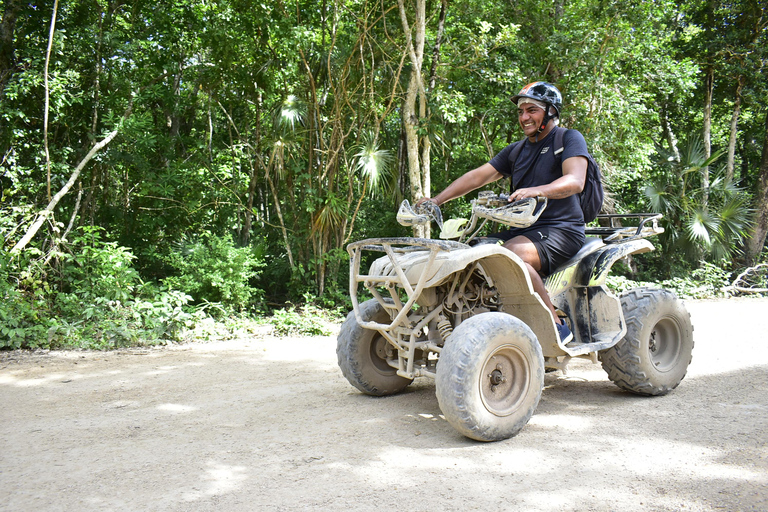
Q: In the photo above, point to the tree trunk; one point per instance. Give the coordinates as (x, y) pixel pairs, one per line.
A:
(245, 232)
(47, 99)
(426, 152)
(668, 133)
(438, 43)
(276, 200)
(7, 30)
(410, 122)
(426, 144)
(734, 131)
(7, 62)
(418, 161)
(709, 82)
(48, 210)
(175, 127)
(756, 241)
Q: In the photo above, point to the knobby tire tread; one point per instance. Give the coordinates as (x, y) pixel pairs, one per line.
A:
(353, 347)
(624, 363)
(457, 374)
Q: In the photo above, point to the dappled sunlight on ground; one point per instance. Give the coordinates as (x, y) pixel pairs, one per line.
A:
(571, 424)
(218, 479)
(176, 408)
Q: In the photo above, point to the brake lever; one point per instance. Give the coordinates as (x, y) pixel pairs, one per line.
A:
(420, 215)
(433, 211)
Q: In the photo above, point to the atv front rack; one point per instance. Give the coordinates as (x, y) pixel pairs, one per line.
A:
(396, 282)
(648, 226)
(392, 275)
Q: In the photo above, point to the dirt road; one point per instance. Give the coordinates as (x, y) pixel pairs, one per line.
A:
(271, 425)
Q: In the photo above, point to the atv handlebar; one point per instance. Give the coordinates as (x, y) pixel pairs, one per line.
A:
(518, 214)
(488, 205)
(419, 214)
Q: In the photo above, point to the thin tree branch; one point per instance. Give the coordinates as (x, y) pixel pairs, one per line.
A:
(47, 97)
(43, 215)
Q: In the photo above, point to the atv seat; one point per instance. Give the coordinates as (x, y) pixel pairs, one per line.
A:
(591, 245)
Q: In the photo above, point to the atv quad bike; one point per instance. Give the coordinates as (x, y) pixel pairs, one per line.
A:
(464, 313)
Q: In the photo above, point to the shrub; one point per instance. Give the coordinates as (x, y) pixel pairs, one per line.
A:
(214, 270)
(308, 320)
(23, 306)
(97, 302)
(97, 269)
(707, 281)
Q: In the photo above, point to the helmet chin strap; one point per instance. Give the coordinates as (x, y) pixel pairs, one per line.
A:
(547, 118)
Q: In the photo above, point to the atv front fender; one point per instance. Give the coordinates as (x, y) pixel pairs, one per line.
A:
(418, 266)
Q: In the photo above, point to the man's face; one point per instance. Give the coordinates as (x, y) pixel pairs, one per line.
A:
(530, 118)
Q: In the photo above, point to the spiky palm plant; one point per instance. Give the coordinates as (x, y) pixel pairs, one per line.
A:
(291, 111)
(374, 166)
(700, 223)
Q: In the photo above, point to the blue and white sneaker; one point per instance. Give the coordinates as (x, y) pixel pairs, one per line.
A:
(566, 336)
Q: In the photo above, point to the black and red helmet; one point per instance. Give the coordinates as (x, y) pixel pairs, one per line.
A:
(541, 91)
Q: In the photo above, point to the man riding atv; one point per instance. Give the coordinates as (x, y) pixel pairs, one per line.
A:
(538, 172)
(481, 319)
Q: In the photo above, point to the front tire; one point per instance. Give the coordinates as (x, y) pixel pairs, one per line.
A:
(653, 357)
(489, 376)
(363, 354)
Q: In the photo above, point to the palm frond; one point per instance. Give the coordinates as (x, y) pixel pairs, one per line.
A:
(692, 154)
(700, 228)
(330, 216)
(722, 189)
(735, 218)
(292, 111)
(374, 165)
(659, 199)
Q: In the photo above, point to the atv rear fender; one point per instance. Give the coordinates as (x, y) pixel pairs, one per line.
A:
(578, 289)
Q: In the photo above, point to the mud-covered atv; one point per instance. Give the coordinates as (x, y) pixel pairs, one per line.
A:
(464, 313)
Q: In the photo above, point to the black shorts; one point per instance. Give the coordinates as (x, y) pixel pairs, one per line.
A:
(555, 246)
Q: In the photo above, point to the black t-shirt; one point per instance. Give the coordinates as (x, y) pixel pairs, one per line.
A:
(537, 165)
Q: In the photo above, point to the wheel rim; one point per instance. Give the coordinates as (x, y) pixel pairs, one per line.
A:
(664, 344)
(381, 350)
(505, 380)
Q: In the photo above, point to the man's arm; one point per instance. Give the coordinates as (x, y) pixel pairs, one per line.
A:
(470, 181)
(572, 182)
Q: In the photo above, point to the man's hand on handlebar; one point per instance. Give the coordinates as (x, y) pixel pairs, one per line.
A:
(424, 200)
(525, 193)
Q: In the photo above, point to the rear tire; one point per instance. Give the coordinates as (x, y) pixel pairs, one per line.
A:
(363, 354)
(489, 376)
(653, 357)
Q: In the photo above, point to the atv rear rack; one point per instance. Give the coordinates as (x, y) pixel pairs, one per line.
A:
(615, 234)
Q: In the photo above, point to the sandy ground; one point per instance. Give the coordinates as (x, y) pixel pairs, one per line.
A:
(270, 424)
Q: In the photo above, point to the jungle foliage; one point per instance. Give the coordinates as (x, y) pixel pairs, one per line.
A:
(160, 163)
